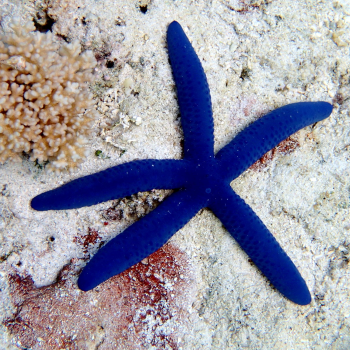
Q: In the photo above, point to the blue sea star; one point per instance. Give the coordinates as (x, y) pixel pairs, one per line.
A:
(202, 179)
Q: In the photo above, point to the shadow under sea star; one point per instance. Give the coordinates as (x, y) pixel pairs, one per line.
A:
(202, 179)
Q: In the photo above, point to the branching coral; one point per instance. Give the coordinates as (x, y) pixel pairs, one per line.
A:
(45, 107)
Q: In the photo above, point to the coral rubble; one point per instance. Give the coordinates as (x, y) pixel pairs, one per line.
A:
(45, 106)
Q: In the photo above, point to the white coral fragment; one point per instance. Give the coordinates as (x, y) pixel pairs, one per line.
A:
(45, 107)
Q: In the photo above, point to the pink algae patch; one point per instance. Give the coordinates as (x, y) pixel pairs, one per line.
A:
(88, 240)
(285, 147)
(145, 307)
(248, 105)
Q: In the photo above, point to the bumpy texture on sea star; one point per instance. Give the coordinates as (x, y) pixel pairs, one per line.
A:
(202, 179)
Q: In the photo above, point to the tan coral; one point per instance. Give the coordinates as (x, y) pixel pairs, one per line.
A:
(45, 107)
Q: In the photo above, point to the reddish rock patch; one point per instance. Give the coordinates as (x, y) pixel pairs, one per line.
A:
(88, 240)
(145, 307)
(285, 147)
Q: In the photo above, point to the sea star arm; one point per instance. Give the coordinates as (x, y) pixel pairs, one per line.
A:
(193, 95)
(141, 238)
(116, 182)
(267, 132)
(260, 245)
